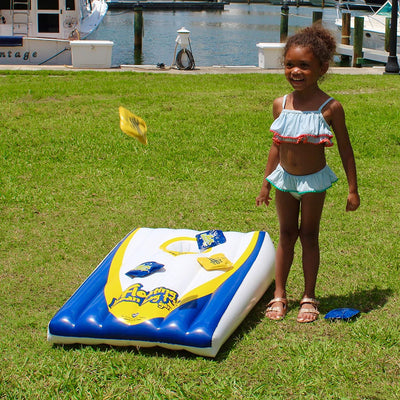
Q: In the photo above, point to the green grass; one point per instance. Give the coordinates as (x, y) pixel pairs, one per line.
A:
(72, 185)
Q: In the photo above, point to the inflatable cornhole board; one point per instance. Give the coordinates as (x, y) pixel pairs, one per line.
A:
(178, 289)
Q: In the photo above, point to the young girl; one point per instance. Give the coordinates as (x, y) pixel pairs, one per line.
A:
(296, 164)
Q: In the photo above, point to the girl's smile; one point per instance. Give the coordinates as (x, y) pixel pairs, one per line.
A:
(302, 68)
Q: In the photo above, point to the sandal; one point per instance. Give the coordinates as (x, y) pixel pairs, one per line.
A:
(281, 310)
(313, 310)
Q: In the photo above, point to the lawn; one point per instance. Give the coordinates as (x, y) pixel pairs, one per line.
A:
(73, 185)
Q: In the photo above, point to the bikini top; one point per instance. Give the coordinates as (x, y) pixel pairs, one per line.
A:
(294, 126)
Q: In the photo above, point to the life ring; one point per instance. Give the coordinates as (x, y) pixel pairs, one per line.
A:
(184, 59)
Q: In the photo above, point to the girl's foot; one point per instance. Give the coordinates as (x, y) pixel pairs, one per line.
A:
(276, 308)
(308, 310)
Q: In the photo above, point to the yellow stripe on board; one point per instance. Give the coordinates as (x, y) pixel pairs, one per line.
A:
(210, 287)
(113, 285)
(136, 305)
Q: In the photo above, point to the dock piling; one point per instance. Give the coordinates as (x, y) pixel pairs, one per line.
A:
(138, 28)
(316, 17)
(138, 35)
(387, 34)
(346, 19)
(358, 41)
(284, 23)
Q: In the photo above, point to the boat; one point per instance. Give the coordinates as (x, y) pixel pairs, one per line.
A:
(375, 27)
(39, 32)
(376, 2)
(359, 5)
(323, 3)
(165, 5)
(310, 3)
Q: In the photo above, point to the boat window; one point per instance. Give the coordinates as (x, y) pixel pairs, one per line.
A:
(386, 10)
(70, 4)
(4, 4)
(48, 23)
(48, 5)
(20, 5)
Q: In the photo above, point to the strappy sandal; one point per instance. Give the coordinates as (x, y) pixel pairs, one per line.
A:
(308, 310)
(275, 309)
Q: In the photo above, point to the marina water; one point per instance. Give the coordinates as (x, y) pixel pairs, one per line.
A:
(224, 38)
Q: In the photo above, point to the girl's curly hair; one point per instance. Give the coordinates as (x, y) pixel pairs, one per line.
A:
(318, 39)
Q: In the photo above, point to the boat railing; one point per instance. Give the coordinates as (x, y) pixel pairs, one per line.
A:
(349, 5)
(20, 10)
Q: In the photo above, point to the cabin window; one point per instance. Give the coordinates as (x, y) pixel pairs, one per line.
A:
(70, 4)
(48, 5)
(21, 5)
(5, 4)
(48, 23)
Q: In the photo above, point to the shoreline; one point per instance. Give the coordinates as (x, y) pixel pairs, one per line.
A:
(216, 69)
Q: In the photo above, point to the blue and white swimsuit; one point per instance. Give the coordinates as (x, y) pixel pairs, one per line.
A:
(294, 126)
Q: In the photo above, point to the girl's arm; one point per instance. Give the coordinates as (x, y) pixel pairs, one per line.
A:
(273, 160)
(338, 122)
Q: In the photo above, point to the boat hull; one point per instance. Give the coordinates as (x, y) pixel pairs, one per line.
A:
(373, 36)
(374, 28)
(35, 32)
(35, 51)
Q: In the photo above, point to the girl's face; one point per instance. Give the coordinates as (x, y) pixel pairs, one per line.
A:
(302, 68)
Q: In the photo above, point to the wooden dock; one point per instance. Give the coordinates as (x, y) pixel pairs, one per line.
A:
(166, 5)
(269, 54)
(367, 54)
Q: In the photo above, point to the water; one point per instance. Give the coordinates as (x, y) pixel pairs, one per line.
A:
(226, 37)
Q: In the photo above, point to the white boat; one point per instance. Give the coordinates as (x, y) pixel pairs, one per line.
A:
(39, 31)
(314, 3)
(358, 5)
(323, 3)
(374, 27)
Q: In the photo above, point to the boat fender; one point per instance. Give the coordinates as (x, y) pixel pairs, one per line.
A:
(184, 59)
(75, 35)
(2, 19)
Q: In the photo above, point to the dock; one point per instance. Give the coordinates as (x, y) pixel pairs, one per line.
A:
(180, 5)
(367, 54)
(270, 54)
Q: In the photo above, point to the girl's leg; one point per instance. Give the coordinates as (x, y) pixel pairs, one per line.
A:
(288, 214)
(311, 211)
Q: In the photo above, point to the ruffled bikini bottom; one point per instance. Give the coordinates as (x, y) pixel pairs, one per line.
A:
(297, 185)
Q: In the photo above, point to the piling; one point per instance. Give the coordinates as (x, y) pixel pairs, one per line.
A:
(284, 22)
(317, 17)
(358, 41)
(138, 28)
(346, 19)
(387, 34)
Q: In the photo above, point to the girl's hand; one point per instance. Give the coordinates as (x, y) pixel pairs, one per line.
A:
(353, 202)
(263, 197)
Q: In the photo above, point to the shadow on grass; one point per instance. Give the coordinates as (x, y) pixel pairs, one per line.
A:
(364, 300)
